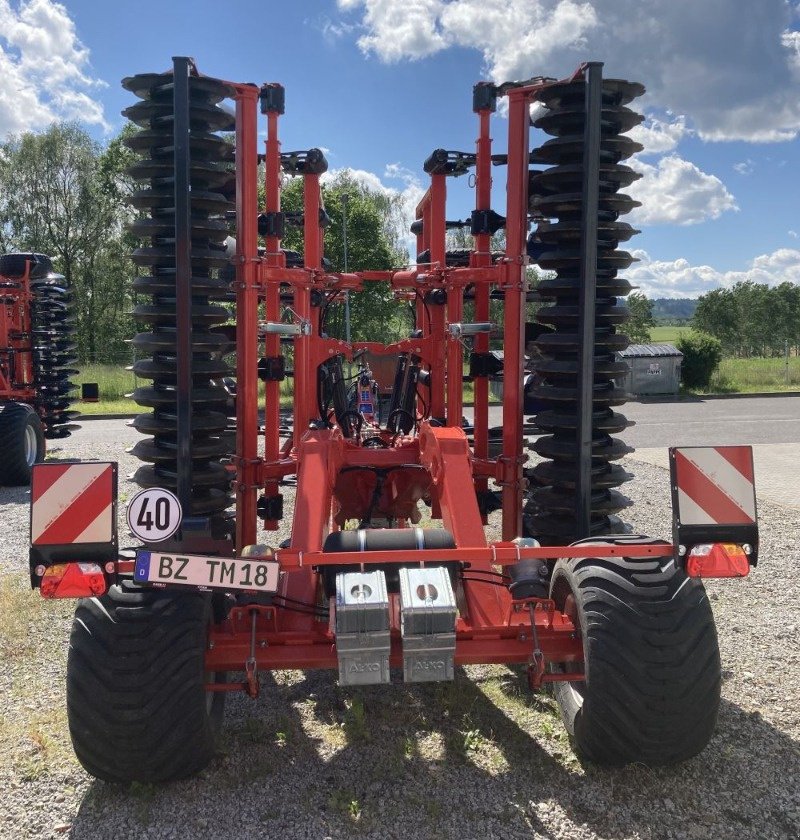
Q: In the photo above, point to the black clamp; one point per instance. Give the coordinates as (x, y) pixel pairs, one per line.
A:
(484, 364)
(484, 97)
(272, 98)
(310, 162)
(271, 224)
(444, 162)
(486, 221)
(270, 508)
(272, 369)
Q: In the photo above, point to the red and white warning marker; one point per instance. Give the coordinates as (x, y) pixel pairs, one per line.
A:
(72, 503)
(715, 485)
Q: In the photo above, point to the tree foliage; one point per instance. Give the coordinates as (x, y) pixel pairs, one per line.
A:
(60, 195)
(372, 243)
(701, 357)
(641, 319)
(751, 319)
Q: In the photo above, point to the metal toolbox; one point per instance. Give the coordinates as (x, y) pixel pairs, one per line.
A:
(362, 628)
(427, 619)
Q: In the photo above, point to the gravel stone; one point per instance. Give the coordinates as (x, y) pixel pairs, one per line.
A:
(478, 758)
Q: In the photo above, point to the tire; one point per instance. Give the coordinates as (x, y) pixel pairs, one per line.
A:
(21, 443)
(652, 669)
(136, 700)
(14, 265)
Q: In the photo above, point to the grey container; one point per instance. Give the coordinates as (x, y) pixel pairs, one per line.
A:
(363, 640)
(427, 621)
(653, 369)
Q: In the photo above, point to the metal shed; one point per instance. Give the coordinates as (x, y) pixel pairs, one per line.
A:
(654, 369)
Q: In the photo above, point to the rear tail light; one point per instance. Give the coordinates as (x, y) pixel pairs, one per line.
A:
(71, 580)
(717, 560)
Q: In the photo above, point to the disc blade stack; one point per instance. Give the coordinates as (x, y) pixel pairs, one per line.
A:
(54, 353)
(556, 194)
(212, 186)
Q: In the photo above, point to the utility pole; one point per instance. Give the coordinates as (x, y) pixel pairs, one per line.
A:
(345, 198)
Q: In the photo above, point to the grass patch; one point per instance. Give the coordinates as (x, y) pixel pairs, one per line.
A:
(756, 374)
(667, 335)
(20, 616)
(113, 381)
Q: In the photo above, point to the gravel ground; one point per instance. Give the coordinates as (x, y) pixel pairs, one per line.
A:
(479, 758)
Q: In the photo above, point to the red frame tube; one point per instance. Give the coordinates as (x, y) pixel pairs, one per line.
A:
(246, 313)
(271, 292)
(515, 287)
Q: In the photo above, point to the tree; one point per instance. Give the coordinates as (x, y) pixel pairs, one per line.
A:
(58, 196)
(717, 314)
(701, 357)
(641, 319)
(372, 243)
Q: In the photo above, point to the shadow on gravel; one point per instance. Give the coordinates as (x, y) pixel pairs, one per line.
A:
(22, 495)
(309, 759)
(15, 495)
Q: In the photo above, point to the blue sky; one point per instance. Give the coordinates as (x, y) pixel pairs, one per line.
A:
(380, 83)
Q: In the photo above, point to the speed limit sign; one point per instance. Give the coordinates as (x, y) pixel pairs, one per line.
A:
(154, 515)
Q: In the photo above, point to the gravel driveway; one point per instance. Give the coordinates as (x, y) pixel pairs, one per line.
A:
(478, 758)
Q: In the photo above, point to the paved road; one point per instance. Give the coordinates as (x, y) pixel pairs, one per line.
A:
(770, 424)
(705, 422)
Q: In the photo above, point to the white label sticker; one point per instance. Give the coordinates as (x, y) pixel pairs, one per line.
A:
(154, 515)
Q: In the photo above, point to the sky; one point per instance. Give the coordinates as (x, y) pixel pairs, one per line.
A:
(379, 84)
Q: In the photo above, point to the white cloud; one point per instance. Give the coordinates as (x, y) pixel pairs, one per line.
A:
(793, 234)
(44, 69)
(731, 71)
(675, 191)
(745, 167)
(659, 136)
(679, 279)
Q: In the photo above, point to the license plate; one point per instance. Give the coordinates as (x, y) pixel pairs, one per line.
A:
(206, 572)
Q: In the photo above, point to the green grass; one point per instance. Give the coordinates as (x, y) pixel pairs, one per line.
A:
(733, 376)
(113, 380)
(666, 335)
(754, 375)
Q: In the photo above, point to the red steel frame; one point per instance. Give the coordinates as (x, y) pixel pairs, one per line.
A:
(491, 627)
(16, 356)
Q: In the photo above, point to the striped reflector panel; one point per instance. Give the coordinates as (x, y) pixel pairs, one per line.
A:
(715, 485)
(72, 503)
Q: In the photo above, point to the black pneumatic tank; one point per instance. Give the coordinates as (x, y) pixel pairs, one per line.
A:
(556, 195)
(212, 187)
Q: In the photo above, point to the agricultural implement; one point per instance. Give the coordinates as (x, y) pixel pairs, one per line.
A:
(388, 572)
(36, 352)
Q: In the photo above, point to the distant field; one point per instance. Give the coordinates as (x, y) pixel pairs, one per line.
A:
(666, 335)
(733, 376)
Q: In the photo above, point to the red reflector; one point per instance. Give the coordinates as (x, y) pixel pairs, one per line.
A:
(73, 580)
(717, 560)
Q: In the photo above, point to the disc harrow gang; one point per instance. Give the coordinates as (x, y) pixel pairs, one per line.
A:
(557, 198)
(54, 353)
(212, 187)
(37, 340)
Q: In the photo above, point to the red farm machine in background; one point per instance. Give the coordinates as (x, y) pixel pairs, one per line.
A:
(36, 354)
(388, 565)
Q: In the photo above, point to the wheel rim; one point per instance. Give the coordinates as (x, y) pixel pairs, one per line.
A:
(31, 445)
(576, 689)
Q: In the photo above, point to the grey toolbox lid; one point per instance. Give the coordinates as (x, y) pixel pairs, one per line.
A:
(362, 602)
(427, 602)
